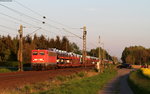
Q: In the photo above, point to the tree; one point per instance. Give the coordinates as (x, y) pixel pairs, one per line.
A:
(115, 60)
(103, 53)
(52, 43)
(135, 55)
(64, 44)
(75, 48)
(58, 42)
(130, 59)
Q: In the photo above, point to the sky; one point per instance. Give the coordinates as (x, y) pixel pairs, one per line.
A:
(119, 23)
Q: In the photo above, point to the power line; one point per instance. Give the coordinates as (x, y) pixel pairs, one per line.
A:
(8, 27)
(40, 14)
(19, 12)
(25, 15)
(22, 21)
(7, 32)
(35, 18)
(72, 33)
(14, 18)
(5, 19)
(41, 28)
(34, 31)
(25, 22)
(27, 8)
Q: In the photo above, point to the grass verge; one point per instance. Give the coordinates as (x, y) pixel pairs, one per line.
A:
(4, 70)
(89, 85)
(85, 82)
(139, 83)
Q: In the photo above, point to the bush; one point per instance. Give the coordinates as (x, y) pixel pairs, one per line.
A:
(3, 70)
(61, 78)
(145, 72)
(9, 64)
(81, 74)
(139, 83)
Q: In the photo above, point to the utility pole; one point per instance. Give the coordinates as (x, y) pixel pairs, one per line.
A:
(99, 54)
(66, 46)
(20, 66)
(99, 49)
(103, 56)
(103, 50)
(84, 46)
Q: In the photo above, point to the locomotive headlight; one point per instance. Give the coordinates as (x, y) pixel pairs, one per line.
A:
(57, 60)
(68, 61)
(41, 59)
(35, 59)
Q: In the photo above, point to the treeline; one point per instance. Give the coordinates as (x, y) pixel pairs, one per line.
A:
(9, 46)
(136, 55)
(103, 53)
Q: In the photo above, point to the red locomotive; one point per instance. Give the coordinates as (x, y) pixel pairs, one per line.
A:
(54, 58)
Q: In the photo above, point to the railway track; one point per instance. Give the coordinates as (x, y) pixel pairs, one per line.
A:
(18, 79)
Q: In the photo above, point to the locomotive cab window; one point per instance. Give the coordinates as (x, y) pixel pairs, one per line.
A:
(42, 53)
(35, 53)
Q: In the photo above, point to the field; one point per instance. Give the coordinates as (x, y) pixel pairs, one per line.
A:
(139, 82)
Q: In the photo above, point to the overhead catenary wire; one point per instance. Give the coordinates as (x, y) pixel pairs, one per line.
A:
(7, 27)
(35, 18)
(27, 23)
(39, 20)
(20, 13)
(28, 8)
(15, 18)
(33, 31)
(42, 28)
(41, 14)
(10, 20)
(25, 15)
(72, 33)
(9, 33)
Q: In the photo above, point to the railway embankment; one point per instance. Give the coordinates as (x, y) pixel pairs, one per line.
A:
(87, 85)
(83, 82)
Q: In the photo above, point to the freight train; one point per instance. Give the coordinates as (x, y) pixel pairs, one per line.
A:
(52, 58)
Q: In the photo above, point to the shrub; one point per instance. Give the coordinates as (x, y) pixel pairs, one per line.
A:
(145, 72)
(139, 83)
(81, 74)
(4, 70)
(61, 78)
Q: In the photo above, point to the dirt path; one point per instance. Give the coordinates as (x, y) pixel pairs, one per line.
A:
(118, 85)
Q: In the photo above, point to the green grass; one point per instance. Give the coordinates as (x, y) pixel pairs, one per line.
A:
(89, 85)
(139, 83)
(4, 70)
